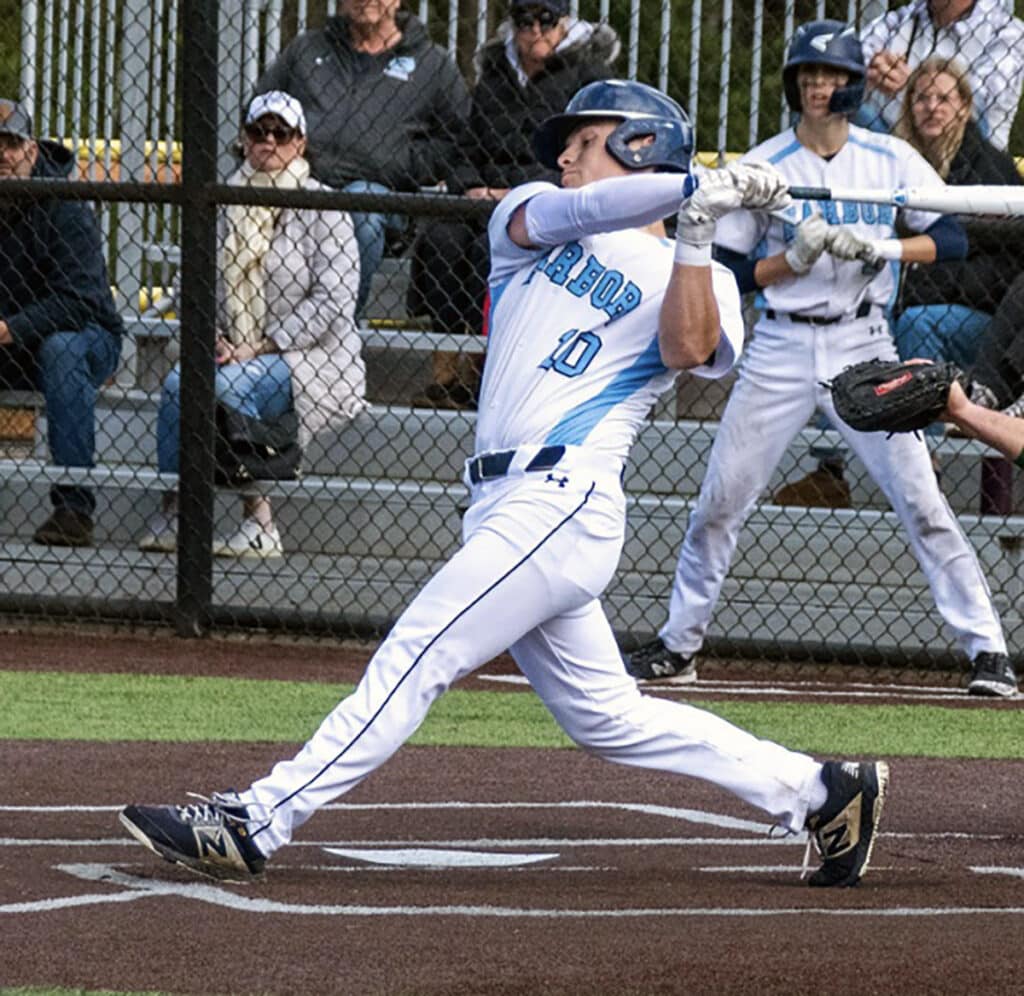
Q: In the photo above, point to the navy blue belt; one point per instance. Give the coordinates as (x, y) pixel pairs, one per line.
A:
(494, 465)
(863, 310)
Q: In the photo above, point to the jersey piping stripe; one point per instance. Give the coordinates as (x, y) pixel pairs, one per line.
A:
(576, 424)
(880, 150)
(794, 146)
(412, 667)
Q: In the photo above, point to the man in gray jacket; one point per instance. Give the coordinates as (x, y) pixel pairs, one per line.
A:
(384, 105)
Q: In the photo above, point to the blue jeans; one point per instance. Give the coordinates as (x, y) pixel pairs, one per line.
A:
(371, 230)
(260, 388)
(946, 333)
(69, 368)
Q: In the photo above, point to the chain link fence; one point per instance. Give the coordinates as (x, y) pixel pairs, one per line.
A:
(201, 302)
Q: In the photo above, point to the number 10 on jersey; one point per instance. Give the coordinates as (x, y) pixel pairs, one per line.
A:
(573, 354)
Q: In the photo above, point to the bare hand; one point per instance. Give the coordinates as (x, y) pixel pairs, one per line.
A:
(957, 404)
(486, 193)
(888, 72)
(6, 339)
(223, 350)
(227, 352)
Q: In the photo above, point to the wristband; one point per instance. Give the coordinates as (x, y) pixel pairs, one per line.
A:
(691, 254)
(888, 248)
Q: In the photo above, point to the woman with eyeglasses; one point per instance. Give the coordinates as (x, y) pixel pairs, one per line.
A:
(945, 308)
(287, 338)
(538, 59)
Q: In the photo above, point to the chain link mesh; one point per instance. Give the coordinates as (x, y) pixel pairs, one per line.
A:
(383, 298)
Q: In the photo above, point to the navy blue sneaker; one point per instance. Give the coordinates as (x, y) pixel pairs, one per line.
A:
(844, 829)
(210, 837)
(992, 674)
(655, 663)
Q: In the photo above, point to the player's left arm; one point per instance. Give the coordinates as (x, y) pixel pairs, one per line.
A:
(938, 238)
(689, 326)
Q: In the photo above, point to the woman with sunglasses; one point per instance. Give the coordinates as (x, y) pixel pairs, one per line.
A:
(287, 334)
(538, 59)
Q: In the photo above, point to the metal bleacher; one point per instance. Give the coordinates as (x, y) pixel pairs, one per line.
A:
(379, 505)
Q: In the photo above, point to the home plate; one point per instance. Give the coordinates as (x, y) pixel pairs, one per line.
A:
(432, 857)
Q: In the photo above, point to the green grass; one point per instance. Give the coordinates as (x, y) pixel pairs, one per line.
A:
(118, 707)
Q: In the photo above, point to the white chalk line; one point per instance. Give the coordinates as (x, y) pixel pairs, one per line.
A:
(799, 689)
(476, 842)
(134, 888)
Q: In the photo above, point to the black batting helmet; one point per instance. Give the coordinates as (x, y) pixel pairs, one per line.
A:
(642, 111)
(826, 43)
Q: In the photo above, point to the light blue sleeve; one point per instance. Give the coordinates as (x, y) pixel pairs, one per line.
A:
(506, 256)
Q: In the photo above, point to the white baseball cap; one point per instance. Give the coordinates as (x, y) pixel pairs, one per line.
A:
(284, 105)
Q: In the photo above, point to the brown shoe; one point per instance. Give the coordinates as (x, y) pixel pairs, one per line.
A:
(822, 488)
(65, 527)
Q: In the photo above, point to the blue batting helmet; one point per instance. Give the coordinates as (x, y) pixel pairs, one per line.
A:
(826, 43)
(642, 111)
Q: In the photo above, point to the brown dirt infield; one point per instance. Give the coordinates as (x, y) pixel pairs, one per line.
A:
(643, 883)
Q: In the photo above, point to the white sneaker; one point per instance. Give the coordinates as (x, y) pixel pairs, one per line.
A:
(251, 540)
(161, 535)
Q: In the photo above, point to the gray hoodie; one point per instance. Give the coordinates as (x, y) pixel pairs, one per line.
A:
(393, 118)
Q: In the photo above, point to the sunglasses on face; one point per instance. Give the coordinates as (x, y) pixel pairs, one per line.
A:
(526, 19)
(282, 134)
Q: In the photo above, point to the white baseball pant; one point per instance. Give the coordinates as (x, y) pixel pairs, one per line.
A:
(779, 387)
(537, 554)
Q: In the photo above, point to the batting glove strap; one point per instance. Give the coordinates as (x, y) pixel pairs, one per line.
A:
(693, 253)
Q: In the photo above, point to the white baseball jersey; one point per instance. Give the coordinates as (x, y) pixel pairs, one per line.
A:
(572, 351)
(834, 286)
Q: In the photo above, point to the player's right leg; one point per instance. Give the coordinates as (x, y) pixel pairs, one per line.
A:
(770, 403)
(572, 662)
(531, 550)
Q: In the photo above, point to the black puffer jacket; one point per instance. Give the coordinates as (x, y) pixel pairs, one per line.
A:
(995, 254)
(393, 118)
(497, 149)
(53, 276)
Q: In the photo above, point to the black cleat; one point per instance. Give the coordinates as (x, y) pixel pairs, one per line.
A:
(211, 837)
(654, 662)
(843, 830)
(992, 674)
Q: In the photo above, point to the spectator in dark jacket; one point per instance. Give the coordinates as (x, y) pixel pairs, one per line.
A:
(59, 330)
(946, 307)
(538, 59)
(385, 107)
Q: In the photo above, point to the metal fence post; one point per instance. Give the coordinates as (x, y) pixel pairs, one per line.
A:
(198, 319)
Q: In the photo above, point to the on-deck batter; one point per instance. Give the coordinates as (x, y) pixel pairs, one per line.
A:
(593, 313)
(824, 305)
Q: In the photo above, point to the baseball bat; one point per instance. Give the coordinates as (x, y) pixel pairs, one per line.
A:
(987, 199)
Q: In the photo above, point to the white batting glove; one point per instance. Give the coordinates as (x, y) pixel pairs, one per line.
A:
(808, 245)
(845, 244)
(716, 195)
(760, 185)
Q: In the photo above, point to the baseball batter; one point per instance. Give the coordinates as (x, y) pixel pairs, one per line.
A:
(594, 312)
(824, 303)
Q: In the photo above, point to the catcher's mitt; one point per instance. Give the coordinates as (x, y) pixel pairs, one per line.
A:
(888, 396)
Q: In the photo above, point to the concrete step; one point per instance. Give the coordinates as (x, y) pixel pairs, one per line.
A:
(668, 458)
(317, 588)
